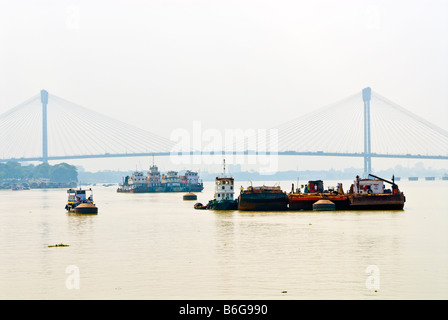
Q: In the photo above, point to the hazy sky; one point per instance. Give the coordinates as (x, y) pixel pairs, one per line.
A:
(231, 64)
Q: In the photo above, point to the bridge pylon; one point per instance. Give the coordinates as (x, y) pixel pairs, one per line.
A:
(366, 96)
(44, 100)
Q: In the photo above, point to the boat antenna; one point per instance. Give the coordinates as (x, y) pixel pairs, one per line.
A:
(224, 164)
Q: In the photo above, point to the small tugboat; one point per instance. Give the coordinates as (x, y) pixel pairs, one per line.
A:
(78, 202)
(224, 194)
(263, 198)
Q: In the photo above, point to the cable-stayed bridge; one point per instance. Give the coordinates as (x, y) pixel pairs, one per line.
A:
(365, 125)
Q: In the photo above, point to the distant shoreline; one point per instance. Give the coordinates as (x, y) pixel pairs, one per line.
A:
(346, 174)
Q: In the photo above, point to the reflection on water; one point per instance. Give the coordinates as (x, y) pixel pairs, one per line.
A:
(156, 246)
(81, 224)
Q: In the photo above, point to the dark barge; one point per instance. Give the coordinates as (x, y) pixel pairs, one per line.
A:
(263, 198)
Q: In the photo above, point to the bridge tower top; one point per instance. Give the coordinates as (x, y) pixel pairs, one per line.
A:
(366, 94)
(44, 96)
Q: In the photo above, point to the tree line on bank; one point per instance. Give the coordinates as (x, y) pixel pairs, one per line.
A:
(61, 172)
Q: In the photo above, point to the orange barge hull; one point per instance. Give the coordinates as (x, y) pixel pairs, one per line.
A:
(305, 201)
(377, 201)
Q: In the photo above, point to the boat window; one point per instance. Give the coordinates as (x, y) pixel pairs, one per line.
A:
(223, 187)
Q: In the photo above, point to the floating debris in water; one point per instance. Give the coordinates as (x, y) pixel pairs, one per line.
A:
(58, 245)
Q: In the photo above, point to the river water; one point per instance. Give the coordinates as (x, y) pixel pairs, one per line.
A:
(156, 246)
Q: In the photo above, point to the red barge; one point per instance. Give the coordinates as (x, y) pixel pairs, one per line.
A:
(314, 191)
(364, 194)
(369, 194)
